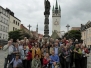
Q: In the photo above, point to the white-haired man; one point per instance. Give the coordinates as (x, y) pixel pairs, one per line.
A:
(8, 53)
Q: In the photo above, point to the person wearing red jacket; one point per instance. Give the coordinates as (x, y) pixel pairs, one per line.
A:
(30, 46)
(29, 58)
(46, 60)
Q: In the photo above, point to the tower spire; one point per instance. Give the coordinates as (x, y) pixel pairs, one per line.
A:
(56, 7)
(59, 8)
(37, 28)
(53, 8)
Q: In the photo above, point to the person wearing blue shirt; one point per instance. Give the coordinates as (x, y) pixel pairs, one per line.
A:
(56, 49)
(15, 61)
(54, 59)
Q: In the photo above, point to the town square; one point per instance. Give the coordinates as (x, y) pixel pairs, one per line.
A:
(45, 34)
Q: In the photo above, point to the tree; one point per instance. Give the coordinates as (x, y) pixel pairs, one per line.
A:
(73, 34)
(15, 35)
(25, 35)
(18, 34)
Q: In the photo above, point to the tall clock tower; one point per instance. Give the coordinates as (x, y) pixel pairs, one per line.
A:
(56, 19)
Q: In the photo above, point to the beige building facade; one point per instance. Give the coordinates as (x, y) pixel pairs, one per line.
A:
(14, 23)
(86, 33)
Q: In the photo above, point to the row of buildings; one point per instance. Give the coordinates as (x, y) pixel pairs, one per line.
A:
(86, 33)
(8, 22)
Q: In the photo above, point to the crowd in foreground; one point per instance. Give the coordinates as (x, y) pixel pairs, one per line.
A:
(59, 53)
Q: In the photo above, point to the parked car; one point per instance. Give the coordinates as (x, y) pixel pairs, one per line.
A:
(0, 47)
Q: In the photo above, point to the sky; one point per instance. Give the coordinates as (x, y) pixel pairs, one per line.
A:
(73, 12)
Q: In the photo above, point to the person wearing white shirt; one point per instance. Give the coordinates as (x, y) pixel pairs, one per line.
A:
(8, 51)
(21, 45)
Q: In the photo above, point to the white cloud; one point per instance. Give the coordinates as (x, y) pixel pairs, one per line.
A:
(73, 12)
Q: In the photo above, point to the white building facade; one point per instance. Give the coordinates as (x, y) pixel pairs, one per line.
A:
(8, 22)
(4, 24)
(56, 19)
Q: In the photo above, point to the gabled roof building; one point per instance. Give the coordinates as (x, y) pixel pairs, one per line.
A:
(86, 33)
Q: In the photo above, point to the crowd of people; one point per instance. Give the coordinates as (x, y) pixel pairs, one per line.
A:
(58, 53)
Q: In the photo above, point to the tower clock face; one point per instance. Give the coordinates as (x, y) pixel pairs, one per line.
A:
(56, 23)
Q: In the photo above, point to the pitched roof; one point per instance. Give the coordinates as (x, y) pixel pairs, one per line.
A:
(55, 35)
(25, 29)
(75, 28)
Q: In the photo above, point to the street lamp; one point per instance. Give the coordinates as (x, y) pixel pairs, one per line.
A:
(29, 28)
(68, 27)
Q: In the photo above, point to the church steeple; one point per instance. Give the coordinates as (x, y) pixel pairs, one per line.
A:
(56, 18)
(37, 28)
(56, 10)
(59, 8)
(56, 6)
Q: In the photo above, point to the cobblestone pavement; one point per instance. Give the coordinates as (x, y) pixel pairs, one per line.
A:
(89, 61)
(2, 60)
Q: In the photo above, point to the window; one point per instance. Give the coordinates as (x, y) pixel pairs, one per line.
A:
(3, 36)
(14, 21)
(4, 20)
(6, 37)
(84, 33)
(1, 18)
(6, 29)
(13, 28)
(3, 11)
(1, 27)
(18, 24)
(7, 22)
(0, 35)
(6, 13)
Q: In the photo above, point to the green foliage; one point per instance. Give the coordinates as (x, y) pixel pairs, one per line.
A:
(73, 34)
(18, 34)
(25, 35)
(15, 35)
